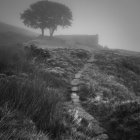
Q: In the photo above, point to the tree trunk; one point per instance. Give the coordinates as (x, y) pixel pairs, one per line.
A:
(42, 31)
(51, 32)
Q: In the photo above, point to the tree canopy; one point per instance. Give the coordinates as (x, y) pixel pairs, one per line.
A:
(47, 14)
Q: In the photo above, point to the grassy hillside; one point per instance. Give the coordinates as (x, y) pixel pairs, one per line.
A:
(34, 87)
(12, 35)
(125, 69)
(111, 92)
(112, 77)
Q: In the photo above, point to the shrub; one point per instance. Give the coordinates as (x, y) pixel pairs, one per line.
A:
(15, 125)
(81, 54)
(34, 51)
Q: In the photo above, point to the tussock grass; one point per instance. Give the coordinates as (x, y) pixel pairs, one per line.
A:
(35, 100)
(15, 125)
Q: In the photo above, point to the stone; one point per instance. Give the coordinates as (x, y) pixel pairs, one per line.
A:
(23, 75)
(75, 97)
(74, 82)
(2, 75)
(74, 89)
(90, 61)
(98, 98)
(78, 75)
(101, 137)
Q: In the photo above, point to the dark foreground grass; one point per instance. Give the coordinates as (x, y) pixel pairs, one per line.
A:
(33, 99)
(14, 125)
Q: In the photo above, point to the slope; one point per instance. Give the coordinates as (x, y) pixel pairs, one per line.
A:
(12, 35)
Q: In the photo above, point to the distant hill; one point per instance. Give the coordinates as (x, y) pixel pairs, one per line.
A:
(10, 34)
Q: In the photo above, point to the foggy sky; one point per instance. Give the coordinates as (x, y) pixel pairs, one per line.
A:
(116, 21)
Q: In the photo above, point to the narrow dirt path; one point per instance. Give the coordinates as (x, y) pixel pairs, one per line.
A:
(82, 117)
(76, 82)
